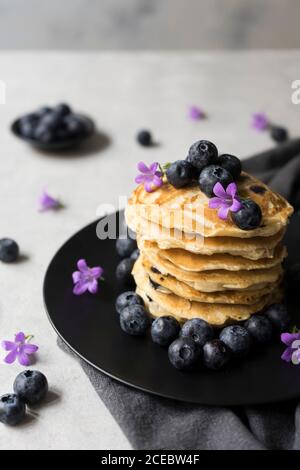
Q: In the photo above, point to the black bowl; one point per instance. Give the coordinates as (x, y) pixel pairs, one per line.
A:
(58, 144)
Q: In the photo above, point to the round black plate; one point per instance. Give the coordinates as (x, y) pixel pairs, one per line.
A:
(89, 325)
(57, 145)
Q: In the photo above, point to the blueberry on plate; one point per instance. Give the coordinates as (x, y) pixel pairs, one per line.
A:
(12, 409)
(135, 254)
(144, 138)
(62, 109)
(202, 153)
(134, 320)
(164, 330)
(279, 134)
(128, 298)
(31, 386)
(125, 246)
(9, 250)
(180, 173)
(123, 272)
(211, 175)
(215, 354)
(249, 216)
(183, 353)
(231, 164)
(198, 330)
(237, 339)
(278, 316)
(260, 328)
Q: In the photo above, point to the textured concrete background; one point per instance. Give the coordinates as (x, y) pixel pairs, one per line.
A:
(149, 24)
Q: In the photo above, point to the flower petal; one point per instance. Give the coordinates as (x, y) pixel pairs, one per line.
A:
(23, 359)
(139, 179)
(214, 203)
(142, 167)
(76, 276)
(30, 348)
(96, 272)
(80, 288)
(219, 191)
(82, 266)
(235, 206)
(11, 357)
(157, 181)
(153, 167)
(20, 337)
(231, 190)
(223, 212)
(148, 186)
(287, 338)
(93, 286)
(8, 345)
(287, 355)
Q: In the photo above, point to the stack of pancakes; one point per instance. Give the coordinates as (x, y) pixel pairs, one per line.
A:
(193, 264)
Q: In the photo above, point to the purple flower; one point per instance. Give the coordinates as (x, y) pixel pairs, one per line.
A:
(150, 177)
(47, 202)
(20, 348)
(292, 352)
(260, 122)
(195, 113)
(225, 201)
(86, 278)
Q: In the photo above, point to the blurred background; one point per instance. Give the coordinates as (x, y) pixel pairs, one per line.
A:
(149, 24)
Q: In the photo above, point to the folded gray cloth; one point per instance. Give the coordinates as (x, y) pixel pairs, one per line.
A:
(151, 422)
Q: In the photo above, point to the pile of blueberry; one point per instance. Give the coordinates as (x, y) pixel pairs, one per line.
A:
(128, 250)
(56, 124)
(197, 342)
(30, 388)
(9, 250)
(204, 165)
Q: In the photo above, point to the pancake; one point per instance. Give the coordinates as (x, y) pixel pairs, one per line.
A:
(169, 284)
(196, 262)
(187, 210)
(217, 280)
(183, 309)
(250, 248)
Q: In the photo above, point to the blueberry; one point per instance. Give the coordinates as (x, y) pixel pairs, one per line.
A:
(74, 125)
(237, 339)
(9, 250)
(164, 330)
(134, 320)
(183, 353)
(215, 354)
(201, 154)
(62, 109)
(180, 173)
(249, 216)
(43, 134)
(128, 298)
(31, 386)
(198, 330)
(231, 164)
(51, 120)
(125, 246)
(279, 134)
(123, 272)
(29, 118)
(210, 176)
(144, 138)
(12, 409)
(42, 111)
(260, 328)
(27, 129)
(278, 316)
(135, 254)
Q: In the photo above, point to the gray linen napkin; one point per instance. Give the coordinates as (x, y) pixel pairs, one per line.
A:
(151, 422)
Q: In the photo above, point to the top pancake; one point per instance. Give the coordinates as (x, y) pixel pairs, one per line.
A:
(187, 209)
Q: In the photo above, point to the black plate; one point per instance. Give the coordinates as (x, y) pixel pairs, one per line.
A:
(60, 144)
(89, 325)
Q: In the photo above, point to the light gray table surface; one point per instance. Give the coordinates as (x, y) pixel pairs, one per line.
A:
(122, 92)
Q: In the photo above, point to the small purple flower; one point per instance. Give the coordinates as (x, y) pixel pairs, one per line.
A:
(86, 278)
(260, 122)
(47, 202)
(225, 201)
(19, 349)
(292, 352)
(150, 177)
(195, 113)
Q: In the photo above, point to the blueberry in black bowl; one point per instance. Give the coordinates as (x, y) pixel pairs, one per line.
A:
(231, 164)
(211, 175)
(202, 153)
(164, 330)
(53, 128)
(12, 409)
(31, 386)
(249, 216)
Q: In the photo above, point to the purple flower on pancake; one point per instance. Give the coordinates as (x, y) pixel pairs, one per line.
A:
(195, 113)
(19, 349)
(151, 177)
(225, 200)
(260, 122)
(292, 352)
(86, 278)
